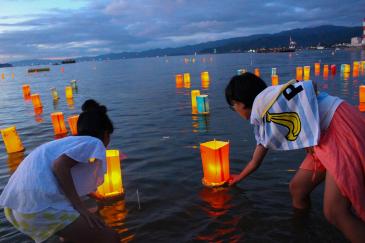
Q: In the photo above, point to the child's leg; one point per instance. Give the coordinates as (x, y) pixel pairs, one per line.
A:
(337, 210)
(79, 232)
(302, 185)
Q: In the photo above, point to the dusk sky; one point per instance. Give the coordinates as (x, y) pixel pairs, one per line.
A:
(50, 29)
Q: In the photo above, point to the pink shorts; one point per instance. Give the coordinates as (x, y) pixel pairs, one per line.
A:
(309, 163)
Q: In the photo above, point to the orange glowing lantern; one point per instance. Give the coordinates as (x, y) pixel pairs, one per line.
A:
(58, 123)
(362, 107)
(257, 72)
(215, 160)
(355, 70)
(317, 68)
(68, 92)
(187, 80)
(205, 77)
(3, 76)
(179, 81)
(112, 185)
(72, 123)
(299, 73)
(325, 70)
(36, 100)
(14, 160)
(274, 79)
(307, 70)
(194, 104)
(11, 139)
(362, 93)
(12, 75)
(26, 91)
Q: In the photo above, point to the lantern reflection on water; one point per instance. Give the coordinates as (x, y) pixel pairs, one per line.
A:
(72, 123)
(70, 103)
(202, 104)
(200, 123)
(58, 123)
(26, 91)
(194, 107)
(112, 185)
(218, 200)
(12, 140)
(215, 160)
(14, 160)
(114, 214)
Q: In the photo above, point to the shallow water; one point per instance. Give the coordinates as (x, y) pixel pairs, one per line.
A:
(155, 129)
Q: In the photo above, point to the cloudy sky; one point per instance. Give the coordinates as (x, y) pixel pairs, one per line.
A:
(71, 28)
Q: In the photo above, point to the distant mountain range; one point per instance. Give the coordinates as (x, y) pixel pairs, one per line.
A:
(326, 35)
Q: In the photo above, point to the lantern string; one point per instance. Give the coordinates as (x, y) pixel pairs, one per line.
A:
(139, 204)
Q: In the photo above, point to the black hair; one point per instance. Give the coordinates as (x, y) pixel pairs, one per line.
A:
(244, 88)
(93, 120)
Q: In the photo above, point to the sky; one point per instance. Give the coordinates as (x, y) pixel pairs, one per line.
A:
(56, 29)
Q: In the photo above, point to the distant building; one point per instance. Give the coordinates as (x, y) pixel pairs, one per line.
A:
(356, 41)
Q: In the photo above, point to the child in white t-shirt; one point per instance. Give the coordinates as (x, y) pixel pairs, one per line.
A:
(42, 197)
(292, 116)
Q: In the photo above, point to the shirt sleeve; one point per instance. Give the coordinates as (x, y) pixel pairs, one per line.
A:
(87, 151)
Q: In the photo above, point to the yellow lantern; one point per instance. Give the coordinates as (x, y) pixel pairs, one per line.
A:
(346, 76)
(112, 185)
(362, 66)
(257, 72)
(187, 80)
(362, 93)
(179, 81)
(26, 91)
(11, 139)
(54, 93)
(215, 160)
(194, 106)
(347, 68)
(36, 100)
(317, 68)
(274, 79)
(205, 77)
(14, 159)
(307, 70)
(299, 73)
(58, 123)
(68, 92)
(72, 123)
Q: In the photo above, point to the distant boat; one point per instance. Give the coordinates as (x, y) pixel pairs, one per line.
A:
(35, 70)
(68, 61)
(319, 47)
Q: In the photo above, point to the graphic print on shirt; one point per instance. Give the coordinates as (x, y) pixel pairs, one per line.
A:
(290, 120)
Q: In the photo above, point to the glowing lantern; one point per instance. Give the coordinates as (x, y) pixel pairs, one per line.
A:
(273, 71)
(73, 84)
(346, 76)
(355, 70)
(317, 68)
(14, 159)
(215, 160)
(204, 77)
(194, 106)
(362, 107)
(325, 70)
(72, 123)
(58, 123)
(333, 69)
(68, 92)
(36, 100)
(179, 81)
(187, 80)
(26, 91)
(299, 73)
(3, 76)
(112, 185)
(307, 70)
(12, 75)
(54, 93)
(203, 104)
(346, 68)
(362, 93)
(205, 85)
(11, 139)
(257, 72)
(274, 80)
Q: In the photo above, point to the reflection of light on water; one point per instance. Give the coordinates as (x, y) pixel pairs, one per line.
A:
(114, 215)
(218, 200)
(14, 160)
(200, 123)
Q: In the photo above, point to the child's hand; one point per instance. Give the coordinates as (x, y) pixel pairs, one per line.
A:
(235, 178)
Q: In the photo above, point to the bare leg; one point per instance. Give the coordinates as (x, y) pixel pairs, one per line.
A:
(338, 212)
(302, 185)
(80, 232)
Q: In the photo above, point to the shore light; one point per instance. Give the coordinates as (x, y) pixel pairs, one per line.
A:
(12, 140)
(36, 100)
(215, 161)
(362, 93)
(54, 93)
(194, 105)
(187, 80)
(317, 68)
(299, 73)
(112, 185)
(257, 72)
(307, 71)
(333, 69)
(26, 91)
(58, 123)
(68, 92)
(274, 80)
(72, 123)
(202, 104)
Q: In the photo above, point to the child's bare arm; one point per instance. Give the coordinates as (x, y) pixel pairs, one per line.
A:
(257, 158)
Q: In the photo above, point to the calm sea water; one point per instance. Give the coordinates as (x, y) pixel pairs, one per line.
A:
(155, 129)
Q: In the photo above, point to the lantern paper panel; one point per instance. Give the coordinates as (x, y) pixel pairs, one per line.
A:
(205, 77)
(194, 106)
(26, 91)
(307, 70)
(202, 104)
(361, 93)
(36, 100)
(12, 140)
(58, 123)
(72, 123)
(179, 81)
(274, 80)
(215, 161)
(112, 185)
(299, 73)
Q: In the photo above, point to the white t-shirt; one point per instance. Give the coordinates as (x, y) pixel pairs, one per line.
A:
(327, 106)
(33, 187)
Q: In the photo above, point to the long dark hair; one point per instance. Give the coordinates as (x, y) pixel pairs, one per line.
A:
(93, 120)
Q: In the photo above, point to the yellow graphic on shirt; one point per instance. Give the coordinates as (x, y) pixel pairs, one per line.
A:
(289, 120)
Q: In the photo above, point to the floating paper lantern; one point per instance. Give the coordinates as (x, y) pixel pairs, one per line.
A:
(346, 76)
(205, 85)
(3, 76)
(299, 73)
(274, 80)
(333, 69)
(355, 70)
(36, 100)
(362, 66)
(346, 68)
(317, 68)
(362, 93)
(179, 81)
(12, 75)
(325, 70)
(72, 123)
(257, 72)
(112, 185)
(26, 91)
(14, 159)
(204, 77)
(187, 80)
(215, 160)
(68, 92)
(273, 71)
(194, 106)
(307, 70)
(202, 104)
(11, 139)
(54, 93)
(73, 84)
(362, 107)
(58, 123)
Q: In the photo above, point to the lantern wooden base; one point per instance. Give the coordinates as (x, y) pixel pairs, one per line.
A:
(110, 198)
(214, 185)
